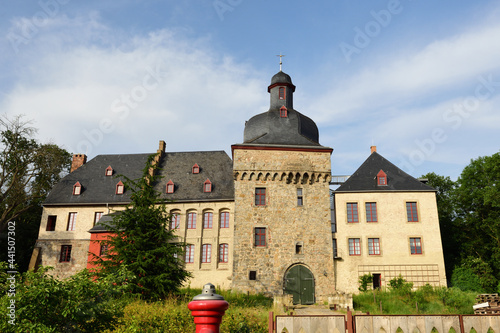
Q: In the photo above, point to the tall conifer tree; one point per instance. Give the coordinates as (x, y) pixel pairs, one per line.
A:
(143, 242)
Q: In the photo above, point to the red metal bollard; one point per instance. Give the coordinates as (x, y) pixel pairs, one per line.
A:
(208, 309)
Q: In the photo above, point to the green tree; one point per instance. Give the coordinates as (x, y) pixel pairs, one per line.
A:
(143, 242)
(445, 188)
(478, 213)
(28, 171)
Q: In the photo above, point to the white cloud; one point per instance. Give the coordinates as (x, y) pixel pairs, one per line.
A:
(126, 94)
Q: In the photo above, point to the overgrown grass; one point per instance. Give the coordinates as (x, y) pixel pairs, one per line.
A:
(246, 313)
(425, 300)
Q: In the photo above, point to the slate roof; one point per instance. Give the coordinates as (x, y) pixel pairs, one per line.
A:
(365, 178)
(270, 128)
(214, 165)
(97, 188)
(105, 221)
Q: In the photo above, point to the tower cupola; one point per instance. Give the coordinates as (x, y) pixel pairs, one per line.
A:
(281, 90)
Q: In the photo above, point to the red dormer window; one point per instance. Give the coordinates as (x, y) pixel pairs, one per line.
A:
(77, 188)
(196, 168)
(120, 188)
(207, 186)
(282, 93)
(381, 178)
(170, 186)
(283, 112)
(109, 171)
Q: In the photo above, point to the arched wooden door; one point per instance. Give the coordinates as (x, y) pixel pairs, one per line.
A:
(299, 282)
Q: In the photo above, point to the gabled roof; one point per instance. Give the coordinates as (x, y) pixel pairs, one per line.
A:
(97, 188)
(214, 165)
(365, 178)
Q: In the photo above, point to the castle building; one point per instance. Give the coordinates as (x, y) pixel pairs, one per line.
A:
(264, 221)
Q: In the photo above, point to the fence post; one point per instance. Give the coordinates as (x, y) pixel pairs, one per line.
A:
(461, 319)
(207, 310)
(270, 322)
(350, 322)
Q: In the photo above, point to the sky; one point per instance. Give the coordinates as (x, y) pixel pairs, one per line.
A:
(419, 79)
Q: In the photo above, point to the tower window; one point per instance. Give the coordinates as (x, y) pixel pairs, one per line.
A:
(282, 93)
(260, 197)
(260, 236)
(283, 112)
(300, 197)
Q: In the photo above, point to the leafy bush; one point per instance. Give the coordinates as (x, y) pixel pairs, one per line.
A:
(399, 285)
(364, 281)
(45, 304)
(465, 279)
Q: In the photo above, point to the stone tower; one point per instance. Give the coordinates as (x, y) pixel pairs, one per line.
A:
(283, 235)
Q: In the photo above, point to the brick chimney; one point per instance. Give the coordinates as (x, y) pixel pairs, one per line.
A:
(159, 154)
(373, 149)
(78, 161)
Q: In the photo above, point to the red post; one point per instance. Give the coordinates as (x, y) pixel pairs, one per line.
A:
(207, 310)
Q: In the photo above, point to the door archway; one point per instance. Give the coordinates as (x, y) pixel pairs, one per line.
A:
(299, 282)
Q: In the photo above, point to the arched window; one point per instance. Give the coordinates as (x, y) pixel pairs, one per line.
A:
(191, 220)
(208, 220)
(175, 220)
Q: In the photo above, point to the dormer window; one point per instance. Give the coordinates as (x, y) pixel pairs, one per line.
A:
(77, 188)
(282, 93)
(196, 168)
(120, 188)
(109, 171)
(170, 186)
(207, 186)
(381, 178)
(283, 112)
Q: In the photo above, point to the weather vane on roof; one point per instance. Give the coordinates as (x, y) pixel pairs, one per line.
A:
(281, 56)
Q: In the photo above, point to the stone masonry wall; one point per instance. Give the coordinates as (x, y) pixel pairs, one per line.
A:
(281, 173)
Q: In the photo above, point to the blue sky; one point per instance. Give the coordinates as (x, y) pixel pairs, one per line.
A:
(418, 79)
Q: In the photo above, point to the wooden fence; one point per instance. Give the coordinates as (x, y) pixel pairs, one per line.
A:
(385, 324)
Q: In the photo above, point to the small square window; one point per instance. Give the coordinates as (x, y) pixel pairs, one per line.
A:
(416, 245)
(65, 255)
(103, 251)
(298, 248)
(252, 275)
(51, 223)
(354, 247)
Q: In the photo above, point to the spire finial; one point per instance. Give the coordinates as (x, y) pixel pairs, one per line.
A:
(281, 56)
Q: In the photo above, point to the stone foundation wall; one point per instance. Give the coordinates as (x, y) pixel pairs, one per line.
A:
(50, 251)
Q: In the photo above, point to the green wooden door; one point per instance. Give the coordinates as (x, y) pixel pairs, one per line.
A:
(299, 282)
